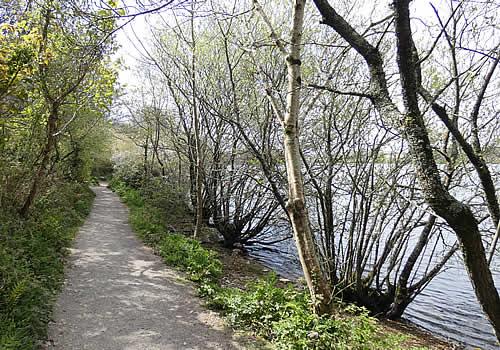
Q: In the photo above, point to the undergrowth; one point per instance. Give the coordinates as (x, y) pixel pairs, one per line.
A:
(32, 253)
(282, 315)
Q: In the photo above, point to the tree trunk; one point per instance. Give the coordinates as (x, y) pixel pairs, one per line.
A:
(455, 213)
(196, 118)
(296, 206)
(402, 298)
(466, 228)
(411, 124)
(494, 244)
(46, 152)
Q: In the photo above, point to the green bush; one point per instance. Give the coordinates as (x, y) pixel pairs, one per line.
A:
(258, 307)
(284, 316)
(201, 264)
(169, 200)
(131, 174)
(32, 253)
(167, 204)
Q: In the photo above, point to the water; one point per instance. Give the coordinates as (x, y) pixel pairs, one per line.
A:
(447, 307)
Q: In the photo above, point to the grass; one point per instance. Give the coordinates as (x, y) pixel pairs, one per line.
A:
(282, 315)
(32, 256)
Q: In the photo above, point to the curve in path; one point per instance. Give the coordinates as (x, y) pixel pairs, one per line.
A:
(119, 295)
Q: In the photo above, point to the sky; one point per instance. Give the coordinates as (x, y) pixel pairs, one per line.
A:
(128, 51)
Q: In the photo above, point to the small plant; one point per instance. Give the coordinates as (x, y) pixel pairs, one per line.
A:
(201, 264)
(284, 316)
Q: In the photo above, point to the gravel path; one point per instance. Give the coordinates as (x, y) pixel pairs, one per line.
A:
(119, 295)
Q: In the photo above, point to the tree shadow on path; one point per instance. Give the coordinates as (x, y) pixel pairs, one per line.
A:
(119, 295)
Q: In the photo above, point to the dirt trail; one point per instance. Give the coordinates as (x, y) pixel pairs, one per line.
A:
(118, 295)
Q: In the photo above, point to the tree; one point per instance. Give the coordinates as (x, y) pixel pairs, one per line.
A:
(196, 122)
(411, 125)
(368, 228)
(296, 204)
(56, 73)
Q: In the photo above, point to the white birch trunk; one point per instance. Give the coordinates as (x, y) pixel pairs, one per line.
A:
(296, 206)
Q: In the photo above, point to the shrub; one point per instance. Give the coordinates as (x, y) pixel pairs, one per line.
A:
(167, 205)
(129, 173)
(201, 264)
(169, 200)
(284, 316)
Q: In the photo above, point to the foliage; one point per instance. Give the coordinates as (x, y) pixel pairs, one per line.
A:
(284, 315)
(281, 314)
(56, 86)
(201, 264)
(166, 203)
(32, 253)
(128, 173)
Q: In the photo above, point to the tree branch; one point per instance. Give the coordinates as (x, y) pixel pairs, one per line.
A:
(339, 92)
(277, 40)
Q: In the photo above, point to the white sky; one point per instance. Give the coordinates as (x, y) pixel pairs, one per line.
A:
(140, 27)
(128, 52)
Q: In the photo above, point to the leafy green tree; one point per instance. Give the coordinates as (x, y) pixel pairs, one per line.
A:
(56, 85)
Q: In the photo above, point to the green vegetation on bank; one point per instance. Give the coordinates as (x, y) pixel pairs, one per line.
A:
(283, 315)
(148, 221)
(32, 255)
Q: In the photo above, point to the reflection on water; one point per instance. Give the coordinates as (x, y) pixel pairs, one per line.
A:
(447, 307)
